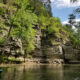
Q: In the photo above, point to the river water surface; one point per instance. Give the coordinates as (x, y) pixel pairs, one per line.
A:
(41, 72)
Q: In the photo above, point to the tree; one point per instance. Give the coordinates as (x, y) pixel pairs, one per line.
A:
(23, 28)
(72, 19)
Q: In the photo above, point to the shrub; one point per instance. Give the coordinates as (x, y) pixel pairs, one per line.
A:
(2, 40)
(2, 11)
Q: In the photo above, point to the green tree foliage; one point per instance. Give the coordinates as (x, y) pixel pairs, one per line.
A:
(21, 16)
(2, 29)
(22, 25)
(73, 35)
(2, 11)
(2, 40)
(54, 26)
(72, 19)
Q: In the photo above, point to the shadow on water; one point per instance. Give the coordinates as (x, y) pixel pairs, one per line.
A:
(42, 72)
(71, 72)
(0, 74)
(0, 77)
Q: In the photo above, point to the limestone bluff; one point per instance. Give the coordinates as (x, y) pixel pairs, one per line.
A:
(37, 36)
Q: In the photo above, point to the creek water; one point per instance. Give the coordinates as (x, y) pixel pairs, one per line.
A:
(41, 72)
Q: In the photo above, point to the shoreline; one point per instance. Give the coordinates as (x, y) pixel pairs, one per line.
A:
(30, 63)
(38, 62)
(26, 63)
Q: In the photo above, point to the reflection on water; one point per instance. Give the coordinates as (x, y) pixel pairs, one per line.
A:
(41, 72)
(0, 76)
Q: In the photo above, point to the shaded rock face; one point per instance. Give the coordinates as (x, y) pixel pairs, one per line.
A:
(12, 48)
(71, 54)
(43, 49)
(60, 49)
(38, 38)
(47, 51)
(54, 51)
(37, 52)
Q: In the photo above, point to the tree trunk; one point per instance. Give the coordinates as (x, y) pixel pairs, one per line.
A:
(9, 32)
(63, 54)
(24, 55)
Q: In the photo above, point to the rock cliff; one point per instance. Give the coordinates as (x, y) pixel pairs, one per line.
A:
(55, 50)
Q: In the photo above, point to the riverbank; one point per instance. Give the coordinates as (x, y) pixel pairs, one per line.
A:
(28, 64)
(33, 61)
(31, 64)
(36, 61)
(12, 64)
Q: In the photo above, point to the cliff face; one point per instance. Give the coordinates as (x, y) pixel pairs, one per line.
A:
(58, 48)
(71, 54)
(11, 47)
(48, 50)
(49, 47)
